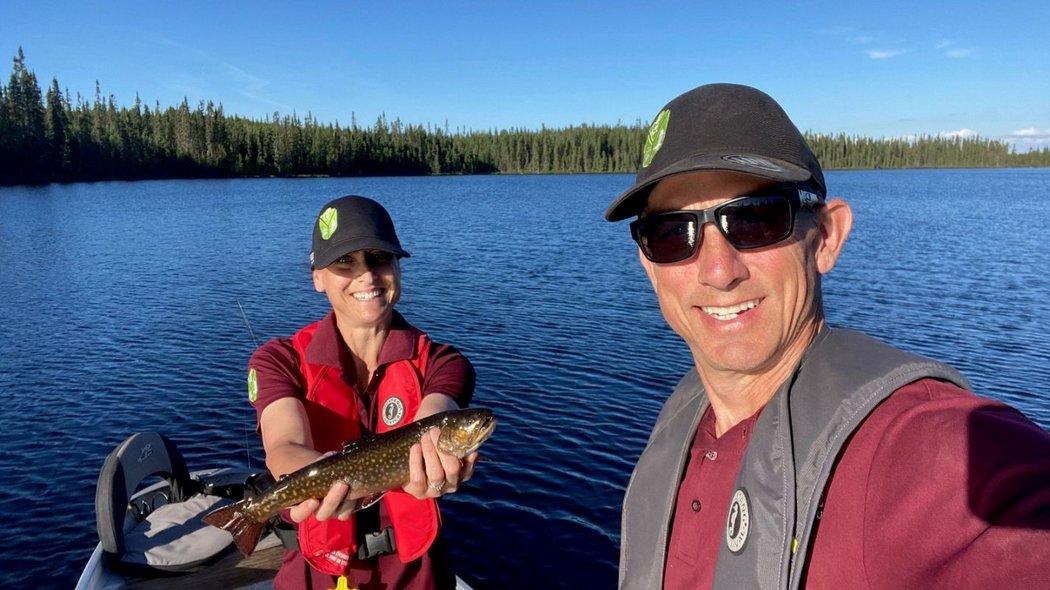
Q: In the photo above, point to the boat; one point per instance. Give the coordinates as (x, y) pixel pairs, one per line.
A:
(150, 533)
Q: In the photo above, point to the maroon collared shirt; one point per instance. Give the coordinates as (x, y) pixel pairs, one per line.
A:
(277, 366)
(938, 488)
(703, 499)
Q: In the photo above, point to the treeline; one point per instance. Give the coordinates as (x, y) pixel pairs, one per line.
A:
(838, 152)
(49, 137)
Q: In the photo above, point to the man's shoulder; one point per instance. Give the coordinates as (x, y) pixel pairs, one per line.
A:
(935, 395)
(930, 413)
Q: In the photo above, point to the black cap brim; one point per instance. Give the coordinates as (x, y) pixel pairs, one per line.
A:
(632, 201)
(336, 251)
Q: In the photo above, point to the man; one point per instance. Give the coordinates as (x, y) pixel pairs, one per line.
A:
(795, 454)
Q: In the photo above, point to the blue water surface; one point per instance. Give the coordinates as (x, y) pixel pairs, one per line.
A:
(120, 311)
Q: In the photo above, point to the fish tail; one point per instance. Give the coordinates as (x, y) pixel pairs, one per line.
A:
(245, 530)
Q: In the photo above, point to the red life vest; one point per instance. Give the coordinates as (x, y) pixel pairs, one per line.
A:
(332, 409)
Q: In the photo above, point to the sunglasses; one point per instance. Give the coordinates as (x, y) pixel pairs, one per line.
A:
(747, 222)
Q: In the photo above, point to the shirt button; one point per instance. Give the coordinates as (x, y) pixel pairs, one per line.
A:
(711, 455)
(695, 505)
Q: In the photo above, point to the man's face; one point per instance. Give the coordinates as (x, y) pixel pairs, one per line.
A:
(747, 312)
(362, 286)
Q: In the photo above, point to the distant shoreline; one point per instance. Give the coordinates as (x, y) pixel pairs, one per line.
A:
(326, 176)
(48, 137)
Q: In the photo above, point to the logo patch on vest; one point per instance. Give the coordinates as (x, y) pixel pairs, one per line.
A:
(738, 525)
(393, 411)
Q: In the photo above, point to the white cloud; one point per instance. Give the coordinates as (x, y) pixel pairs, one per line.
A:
(253, 87)
(860, 38)
(963, 133)
(950, 50)
(1029, 135)
(1030, 138)
(883, 53)
(1031, 132)
(851, 35)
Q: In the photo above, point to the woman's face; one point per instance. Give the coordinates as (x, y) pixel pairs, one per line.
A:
(362, 286)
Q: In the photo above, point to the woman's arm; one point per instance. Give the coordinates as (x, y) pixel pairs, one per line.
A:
(286, 440)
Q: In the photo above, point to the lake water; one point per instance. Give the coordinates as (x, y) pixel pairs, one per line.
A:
(120, 312)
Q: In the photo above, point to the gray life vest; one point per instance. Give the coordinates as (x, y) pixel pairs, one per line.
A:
(843, 376)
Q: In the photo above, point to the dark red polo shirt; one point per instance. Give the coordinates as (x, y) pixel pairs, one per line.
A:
(277, 365)
(938, 488)
(703, 499)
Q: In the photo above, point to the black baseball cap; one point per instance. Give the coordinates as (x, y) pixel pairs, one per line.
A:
(349, 224)
(720, 127)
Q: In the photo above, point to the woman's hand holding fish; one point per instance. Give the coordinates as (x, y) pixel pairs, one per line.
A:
(339, 502)
(432, 473)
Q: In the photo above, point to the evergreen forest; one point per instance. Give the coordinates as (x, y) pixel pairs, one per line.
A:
(52, 137)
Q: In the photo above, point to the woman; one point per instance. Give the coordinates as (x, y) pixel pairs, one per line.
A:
(362, 369)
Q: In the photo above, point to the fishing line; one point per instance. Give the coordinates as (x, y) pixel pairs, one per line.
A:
(247, 324)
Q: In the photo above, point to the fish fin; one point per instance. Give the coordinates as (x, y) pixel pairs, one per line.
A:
(369, 500)
(245, 531)
(366, 438)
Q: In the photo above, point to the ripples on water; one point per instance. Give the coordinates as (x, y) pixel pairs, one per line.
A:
(951, 264)
(120, 314)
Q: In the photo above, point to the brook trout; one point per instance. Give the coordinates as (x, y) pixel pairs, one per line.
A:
(373, 464)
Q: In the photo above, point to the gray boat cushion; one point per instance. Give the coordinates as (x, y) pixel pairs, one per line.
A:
(173, 538)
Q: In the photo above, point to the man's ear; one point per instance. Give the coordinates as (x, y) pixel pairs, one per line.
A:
(834, 223)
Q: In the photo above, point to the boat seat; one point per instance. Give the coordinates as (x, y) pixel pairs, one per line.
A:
(159, 529)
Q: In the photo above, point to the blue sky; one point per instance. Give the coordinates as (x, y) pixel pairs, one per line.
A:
(879, 69)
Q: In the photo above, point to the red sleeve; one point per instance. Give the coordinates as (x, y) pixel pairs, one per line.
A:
(277, 375)
(449, 372)
(938, 489)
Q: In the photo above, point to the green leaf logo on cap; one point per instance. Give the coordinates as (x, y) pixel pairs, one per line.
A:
(253, 386)
(328, 222)
(654, 140)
